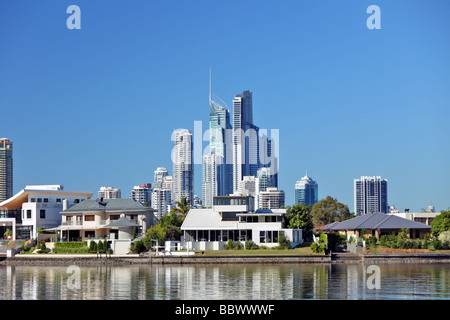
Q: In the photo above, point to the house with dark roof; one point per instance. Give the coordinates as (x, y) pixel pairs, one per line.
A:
(377, 224)
(105, 218)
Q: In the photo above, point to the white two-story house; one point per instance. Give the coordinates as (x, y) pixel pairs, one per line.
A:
(234, 217)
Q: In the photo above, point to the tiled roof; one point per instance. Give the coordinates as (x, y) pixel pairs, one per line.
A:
(108, 205)
(377, 221)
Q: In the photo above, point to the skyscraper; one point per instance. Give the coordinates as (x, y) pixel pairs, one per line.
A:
(6, 169)
(216, 163)
(370, 195)
(245, 139)
(306, 191)
(160, 174)
(183, 166)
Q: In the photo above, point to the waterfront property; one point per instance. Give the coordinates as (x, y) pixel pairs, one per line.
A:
(378, 224)
(234, 217)
(37, 206)
(105, 218)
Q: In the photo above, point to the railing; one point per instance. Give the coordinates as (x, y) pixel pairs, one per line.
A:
(72, 223)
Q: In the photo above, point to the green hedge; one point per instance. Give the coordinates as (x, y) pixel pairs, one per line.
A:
(84, 249)
(71, 245)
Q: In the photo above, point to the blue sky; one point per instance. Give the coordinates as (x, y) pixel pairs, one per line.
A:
(97, 106)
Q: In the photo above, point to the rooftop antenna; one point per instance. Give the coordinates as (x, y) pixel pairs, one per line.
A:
(210, 84)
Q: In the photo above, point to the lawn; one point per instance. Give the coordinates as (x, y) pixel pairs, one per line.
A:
(302, 251)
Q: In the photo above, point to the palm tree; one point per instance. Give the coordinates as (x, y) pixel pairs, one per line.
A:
(182, 208)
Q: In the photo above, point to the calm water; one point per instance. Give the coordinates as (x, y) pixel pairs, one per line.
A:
(260, 282)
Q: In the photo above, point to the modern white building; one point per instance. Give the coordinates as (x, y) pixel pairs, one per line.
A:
(109, 193)
(142, 193)
(161, 200)
(272, 198)
(234, 217)
(183, 166)
(39, 206)
(160, 174)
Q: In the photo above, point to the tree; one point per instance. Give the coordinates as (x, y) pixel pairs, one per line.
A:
(172, 223)
(157, 233)
(329, 210)
(299, 216)
(182, 208)
(441, 223)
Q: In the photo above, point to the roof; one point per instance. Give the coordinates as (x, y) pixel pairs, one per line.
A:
(376, 221)
(109, 205)
(122, 222)
(204, 219)
(21, 197)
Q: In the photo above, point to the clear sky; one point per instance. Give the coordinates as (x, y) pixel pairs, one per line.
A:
(96, 106)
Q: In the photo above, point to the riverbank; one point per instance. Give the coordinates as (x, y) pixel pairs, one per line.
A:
(89, 260)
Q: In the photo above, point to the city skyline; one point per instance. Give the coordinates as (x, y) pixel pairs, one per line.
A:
(348, 101)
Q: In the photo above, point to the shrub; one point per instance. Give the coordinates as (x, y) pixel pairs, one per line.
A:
(250, 245)
(444, 236)
(229, 245)
(93, 246)
(137, 246)
(372, 240)
(284, 243)
(71, 250)
(73, 244)
(436, 243)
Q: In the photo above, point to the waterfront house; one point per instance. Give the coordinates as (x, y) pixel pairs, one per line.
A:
(377, 224)
(37, 206)
(233, 217)
(95, 219)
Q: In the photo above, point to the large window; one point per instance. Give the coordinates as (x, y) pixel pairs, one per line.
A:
(42, 214)
(89, 218)
(28, 214)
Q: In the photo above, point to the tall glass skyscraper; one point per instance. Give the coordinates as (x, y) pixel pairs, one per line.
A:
(245, 139)
(217, 160)
(370, 195)
(6, 169)
(183, 166)
(306, 191)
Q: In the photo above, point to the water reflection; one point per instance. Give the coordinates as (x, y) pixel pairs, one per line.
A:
(208, 282)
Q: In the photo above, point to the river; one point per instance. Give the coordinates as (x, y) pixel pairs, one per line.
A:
(226, 282)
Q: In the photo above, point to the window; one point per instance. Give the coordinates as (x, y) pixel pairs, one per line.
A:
(68, 218)
(39, 199)
(114, 217)
(28, 214)
(33, 200)
(45, 200)
(58, 200)
(89, 234)
(42, 214)
(76, 201)
(89, 218)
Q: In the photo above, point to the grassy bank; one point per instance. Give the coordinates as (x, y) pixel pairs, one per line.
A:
(296, 251)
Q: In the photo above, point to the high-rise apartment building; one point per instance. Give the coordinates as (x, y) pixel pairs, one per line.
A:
(183, 166)
(109, 193)
(370, 195)
(142, 193)
(6, 169)
(306, 191)
(160, 174)
(272, 198)
(245, 139)
(161, 199)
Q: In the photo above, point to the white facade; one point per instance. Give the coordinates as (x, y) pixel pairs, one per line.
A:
(160, 174)
(183, 166)
(109, 193)
(141, 193)
(210, 229)
(40, 206)
(161, 200)
(272, 198)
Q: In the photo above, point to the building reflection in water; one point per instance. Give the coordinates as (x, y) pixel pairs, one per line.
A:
(210, 282)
